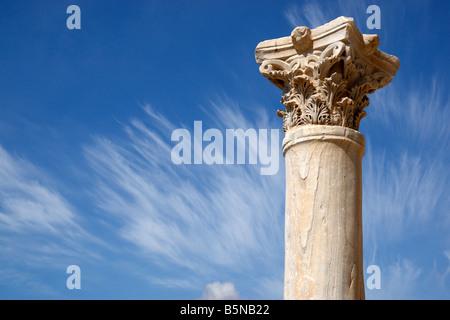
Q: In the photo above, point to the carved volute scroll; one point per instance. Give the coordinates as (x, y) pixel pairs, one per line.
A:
(326, 73)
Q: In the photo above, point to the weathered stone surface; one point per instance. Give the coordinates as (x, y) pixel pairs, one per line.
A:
(325, 75)
(323, 253)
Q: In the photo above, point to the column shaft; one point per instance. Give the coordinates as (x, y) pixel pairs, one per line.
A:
(323, 213)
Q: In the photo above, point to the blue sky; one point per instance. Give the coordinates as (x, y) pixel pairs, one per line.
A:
(86, 176)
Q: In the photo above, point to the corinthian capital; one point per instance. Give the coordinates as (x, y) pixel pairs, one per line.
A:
(325, 73)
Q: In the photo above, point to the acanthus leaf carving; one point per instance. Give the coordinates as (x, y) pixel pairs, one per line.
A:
(326, 83)
(326, 87)
(315, 111)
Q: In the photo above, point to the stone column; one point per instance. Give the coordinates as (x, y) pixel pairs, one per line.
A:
(325, 75)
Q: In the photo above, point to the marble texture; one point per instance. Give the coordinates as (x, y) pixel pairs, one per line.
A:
(323, 250)
(325, 75)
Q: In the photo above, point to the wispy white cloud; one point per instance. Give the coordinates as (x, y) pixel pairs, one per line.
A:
(447, 271)
(26, 283)
(399, 281)
(401, 194)
(40, 229)
(405, 175)
(310, 15)
(27, 204)
(30, 205)
(417, 112)
(200, 217)
(316, 13)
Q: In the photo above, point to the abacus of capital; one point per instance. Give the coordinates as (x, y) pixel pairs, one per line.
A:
(325, 75)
